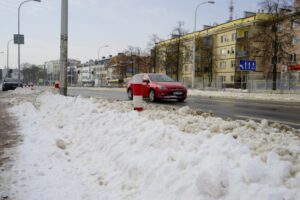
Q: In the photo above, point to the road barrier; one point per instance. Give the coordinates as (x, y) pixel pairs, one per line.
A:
(137, 91)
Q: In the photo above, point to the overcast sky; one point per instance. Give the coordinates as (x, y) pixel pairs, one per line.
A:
(94, 23)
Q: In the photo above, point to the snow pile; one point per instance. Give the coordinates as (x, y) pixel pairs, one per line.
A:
(20, 90)
(242, 94)
(76, 148)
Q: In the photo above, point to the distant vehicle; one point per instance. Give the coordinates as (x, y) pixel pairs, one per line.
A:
(159, 87)
(10, 84)
(30, 84)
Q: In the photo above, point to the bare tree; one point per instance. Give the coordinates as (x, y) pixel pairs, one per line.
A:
(272, 38)
(178, 30)
(204, 63)
(33, 74)
(177, 51)
(152, 50)
(153, 40)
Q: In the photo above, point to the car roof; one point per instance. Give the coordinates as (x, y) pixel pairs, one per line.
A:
(150, 74)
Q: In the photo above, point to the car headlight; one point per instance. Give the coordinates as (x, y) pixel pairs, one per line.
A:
(162, 87)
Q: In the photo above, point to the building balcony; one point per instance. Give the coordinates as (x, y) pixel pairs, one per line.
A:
(240, 54)
(242, 39)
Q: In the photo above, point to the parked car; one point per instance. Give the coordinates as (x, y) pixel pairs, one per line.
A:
(159, 87)
(10, 84)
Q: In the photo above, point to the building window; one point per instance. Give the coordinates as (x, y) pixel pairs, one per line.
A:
(222, 78)
(246, 34)
(294, 40)
(233, 37)
(232, 78)
(232, 50)
(294, 24)
(233, 64)
(223, 53)
(222, 65)
(223, 38)
(186, 68)
(293, 58)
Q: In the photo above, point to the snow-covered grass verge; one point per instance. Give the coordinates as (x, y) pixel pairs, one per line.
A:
(78, 148)
(242, 94)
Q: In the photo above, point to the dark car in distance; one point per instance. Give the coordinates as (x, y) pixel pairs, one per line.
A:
(10, 84)
(159, 87)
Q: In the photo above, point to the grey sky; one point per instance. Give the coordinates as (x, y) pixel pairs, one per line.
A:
(93, 23)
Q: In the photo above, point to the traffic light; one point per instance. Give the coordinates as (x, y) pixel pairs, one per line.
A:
(10, 71)
(78, 72)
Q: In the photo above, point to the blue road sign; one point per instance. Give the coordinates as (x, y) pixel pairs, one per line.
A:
(247, 65)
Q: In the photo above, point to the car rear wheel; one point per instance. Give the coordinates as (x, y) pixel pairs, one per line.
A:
(129, 94)
(152, 95)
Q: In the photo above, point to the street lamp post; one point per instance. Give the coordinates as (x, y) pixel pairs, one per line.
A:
(1, 52)
(19, 67)
(7, 59)
(194, 40)
(99, 50)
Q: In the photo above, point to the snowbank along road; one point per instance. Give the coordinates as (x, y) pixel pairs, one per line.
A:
(88, 148)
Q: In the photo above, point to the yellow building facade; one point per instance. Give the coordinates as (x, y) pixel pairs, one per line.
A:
(219, 50)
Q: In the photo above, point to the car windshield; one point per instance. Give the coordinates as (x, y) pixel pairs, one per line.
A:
(160, 78)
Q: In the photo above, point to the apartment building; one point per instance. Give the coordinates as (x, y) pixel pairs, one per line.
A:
(219, 49)
(53, 69)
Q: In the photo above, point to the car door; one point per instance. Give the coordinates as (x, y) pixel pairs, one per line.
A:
(146, 86)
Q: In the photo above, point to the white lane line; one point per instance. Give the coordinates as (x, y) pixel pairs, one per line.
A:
(258, 118)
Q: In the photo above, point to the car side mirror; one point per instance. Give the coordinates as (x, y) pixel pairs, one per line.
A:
(146, 81)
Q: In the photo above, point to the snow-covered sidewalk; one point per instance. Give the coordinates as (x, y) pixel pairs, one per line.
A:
(86, 148)
(244, 94)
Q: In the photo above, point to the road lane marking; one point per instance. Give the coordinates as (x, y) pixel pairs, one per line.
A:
(258, 118)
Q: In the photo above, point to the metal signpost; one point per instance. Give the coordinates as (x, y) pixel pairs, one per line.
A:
(247, 65)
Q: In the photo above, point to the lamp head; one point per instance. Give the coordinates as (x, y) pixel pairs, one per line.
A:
(37, 0)
(211, 2)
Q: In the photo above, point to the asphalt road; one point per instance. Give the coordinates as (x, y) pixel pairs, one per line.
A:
(285, 113)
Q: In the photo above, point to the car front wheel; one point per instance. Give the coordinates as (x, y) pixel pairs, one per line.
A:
(180, 100)
(129, 94)
(152, 95)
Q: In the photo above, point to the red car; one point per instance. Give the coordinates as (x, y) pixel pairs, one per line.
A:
(159, 87)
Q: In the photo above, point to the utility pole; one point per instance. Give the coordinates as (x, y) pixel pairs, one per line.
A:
(64, 47)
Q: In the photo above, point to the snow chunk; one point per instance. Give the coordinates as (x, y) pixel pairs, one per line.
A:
(61, 144)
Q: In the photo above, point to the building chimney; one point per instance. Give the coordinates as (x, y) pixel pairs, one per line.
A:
(206, 27)
(249, 14)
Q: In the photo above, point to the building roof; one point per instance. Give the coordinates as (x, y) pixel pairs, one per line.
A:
(224, 26)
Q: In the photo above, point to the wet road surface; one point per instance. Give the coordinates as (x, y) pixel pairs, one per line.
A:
(286, 113)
